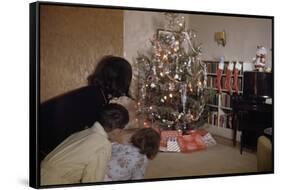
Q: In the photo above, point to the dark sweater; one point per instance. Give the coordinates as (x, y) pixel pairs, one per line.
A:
(66, 114)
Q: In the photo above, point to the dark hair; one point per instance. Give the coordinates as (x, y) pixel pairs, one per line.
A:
(113, 116)
(148, 141)
(113, 75)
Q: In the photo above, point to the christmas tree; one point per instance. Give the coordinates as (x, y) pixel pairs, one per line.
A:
(172, 79)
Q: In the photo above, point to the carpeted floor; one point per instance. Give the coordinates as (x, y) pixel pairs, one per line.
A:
(222, 158)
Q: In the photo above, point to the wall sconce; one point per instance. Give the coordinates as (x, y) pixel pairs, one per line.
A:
(220, 38)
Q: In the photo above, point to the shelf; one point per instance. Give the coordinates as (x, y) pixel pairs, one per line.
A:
(223, 75)
(221, 107)
(223, 90)
(212, 74)
(226, 108)
(212, 105)
(210, 61)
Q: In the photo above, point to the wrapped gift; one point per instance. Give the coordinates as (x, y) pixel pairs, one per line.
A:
(165, 135)
(172, 145)
(201, 132)
(190, 143)
(209, 140)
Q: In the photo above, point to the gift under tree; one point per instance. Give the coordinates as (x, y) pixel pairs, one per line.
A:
(172, 79)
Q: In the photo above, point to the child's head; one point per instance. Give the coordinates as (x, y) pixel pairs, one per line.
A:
(147, 140)
(113, 116)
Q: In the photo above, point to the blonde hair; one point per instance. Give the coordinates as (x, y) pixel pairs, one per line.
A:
(124, 136)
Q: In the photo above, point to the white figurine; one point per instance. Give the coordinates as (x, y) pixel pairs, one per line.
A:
(259, 60)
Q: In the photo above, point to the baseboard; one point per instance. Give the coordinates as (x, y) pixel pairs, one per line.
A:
(223, 132)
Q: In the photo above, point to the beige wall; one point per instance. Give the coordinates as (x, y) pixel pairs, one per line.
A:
(72, 39)
(242, 36)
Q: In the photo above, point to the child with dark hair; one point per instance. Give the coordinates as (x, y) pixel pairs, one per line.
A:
(129, 161)
(83, 156)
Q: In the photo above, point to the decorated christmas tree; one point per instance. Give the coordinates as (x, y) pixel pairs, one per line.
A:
(172, 78)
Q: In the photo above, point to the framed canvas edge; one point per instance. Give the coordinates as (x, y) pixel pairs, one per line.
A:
(152, 9)
(34, 83)
(34, 176)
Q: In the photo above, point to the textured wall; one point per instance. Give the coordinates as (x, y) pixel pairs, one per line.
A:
(72, 40)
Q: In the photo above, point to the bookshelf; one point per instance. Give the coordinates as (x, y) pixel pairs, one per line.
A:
(220, 104)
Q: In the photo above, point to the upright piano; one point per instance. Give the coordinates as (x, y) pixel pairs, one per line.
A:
(251, 114)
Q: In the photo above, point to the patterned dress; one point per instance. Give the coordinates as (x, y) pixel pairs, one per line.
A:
(126, 163)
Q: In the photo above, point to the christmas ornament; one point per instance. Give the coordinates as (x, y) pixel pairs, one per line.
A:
(189, 117)
(175, 46)
(205, 76)
(152, 85)
(190, 89)
(199, 88)
(189, 69)
(183, 96)
(171, 86)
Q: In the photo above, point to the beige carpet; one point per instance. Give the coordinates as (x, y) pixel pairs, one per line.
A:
(222, 158)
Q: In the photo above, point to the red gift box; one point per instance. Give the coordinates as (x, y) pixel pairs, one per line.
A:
(190, 143)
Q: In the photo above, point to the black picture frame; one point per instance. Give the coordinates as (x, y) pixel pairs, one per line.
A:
(34, 116)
